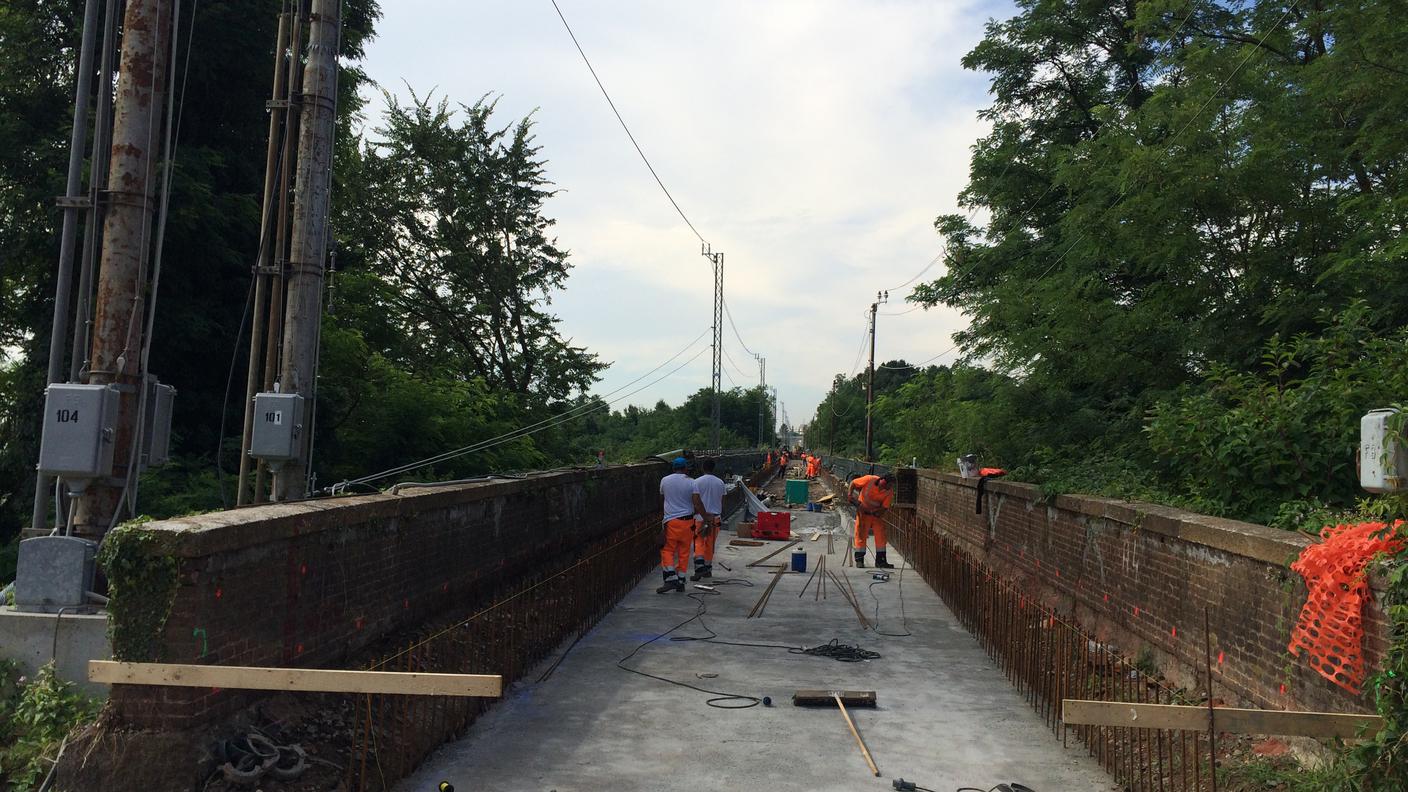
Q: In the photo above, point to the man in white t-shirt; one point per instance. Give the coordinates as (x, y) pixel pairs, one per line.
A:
(679, 503)
(706, 530)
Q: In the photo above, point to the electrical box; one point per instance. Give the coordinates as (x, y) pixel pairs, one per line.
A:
(278, 426)
(156, 428)
(54, 572)
(1383, 461)
(80, 430)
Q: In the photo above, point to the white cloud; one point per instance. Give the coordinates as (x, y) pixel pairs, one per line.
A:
(812, 141)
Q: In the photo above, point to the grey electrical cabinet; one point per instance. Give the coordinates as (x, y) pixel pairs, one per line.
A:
(156, 429)
(278, 426)
(80, 429)
(53, 573)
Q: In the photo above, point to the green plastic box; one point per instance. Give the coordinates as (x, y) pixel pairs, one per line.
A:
(797, 491)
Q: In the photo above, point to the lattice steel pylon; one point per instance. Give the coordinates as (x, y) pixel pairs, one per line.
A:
(718, 261)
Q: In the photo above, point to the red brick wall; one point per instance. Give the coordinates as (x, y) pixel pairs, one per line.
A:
(1141, 575)
(311, 584)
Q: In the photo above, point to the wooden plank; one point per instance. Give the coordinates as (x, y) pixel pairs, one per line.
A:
(1231, 720)
(298, 679)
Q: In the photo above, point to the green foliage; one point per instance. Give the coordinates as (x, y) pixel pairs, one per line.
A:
(9, 554)
(35, 716)
(1253, 440)
(635, 433)
(142, 583)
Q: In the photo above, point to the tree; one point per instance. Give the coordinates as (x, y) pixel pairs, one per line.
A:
(446, 216)
(1169, 185)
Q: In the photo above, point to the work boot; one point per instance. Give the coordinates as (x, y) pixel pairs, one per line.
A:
(703, 572)
(860, 559)
(670, 582)
(880, 562)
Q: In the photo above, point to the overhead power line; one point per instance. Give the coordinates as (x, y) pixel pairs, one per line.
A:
(624, 127)
(524, 431)
(736, 334)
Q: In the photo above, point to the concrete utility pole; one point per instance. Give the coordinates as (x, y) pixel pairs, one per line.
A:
(718, 261)
(127, 235)
(308, 250)
(880, 299)
(762, 394)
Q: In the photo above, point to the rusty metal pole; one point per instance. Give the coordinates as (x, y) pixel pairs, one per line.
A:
(72, 203)
(310, 219)
(97, 190)
(274, 321)
(127, 234)
(278, 105)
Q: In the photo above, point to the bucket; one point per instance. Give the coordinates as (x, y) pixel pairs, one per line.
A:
(799, 560)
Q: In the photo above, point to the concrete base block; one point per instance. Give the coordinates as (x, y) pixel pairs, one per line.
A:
(71, 640)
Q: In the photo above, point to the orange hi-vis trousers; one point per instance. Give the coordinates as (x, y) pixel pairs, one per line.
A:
(704, 545)
(679, 534)
(867, 524)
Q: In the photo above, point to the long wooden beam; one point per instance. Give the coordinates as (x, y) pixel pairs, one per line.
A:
(1077, 712)
(297, 679)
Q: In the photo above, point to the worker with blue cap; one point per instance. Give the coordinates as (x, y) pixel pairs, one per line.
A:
(679, 503)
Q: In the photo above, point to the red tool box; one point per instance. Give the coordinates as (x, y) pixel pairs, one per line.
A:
(773, 525)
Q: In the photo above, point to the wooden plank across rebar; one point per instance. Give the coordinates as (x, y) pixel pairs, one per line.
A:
(1230, 720)
(313, 680)
(760, 561)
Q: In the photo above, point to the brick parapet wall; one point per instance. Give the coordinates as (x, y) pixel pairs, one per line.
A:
(1140, 576)
(311, 584)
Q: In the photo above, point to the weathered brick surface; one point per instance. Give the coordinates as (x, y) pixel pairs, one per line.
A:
(1141, 576)
(312, 584)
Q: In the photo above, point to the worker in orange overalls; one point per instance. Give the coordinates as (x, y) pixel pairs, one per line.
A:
(679, 503)
(812, 464)
(872, 496)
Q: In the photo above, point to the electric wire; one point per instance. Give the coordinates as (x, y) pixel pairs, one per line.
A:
(736, 334)
(737, 369)
(520, 433)
(720, 700)
(917, 306)
(904, 618)
(530, 429)
(624, 127)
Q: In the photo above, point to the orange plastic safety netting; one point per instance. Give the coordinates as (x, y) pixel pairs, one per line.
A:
(1331, 625)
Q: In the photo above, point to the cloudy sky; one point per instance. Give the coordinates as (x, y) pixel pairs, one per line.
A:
(812, 141)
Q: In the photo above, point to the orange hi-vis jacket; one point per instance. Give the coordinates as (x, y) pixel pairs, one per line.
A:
(872, 496)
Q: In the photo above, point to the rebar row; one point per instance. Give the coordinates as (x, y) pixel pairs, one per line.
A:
(506, 632)
(1049, 658)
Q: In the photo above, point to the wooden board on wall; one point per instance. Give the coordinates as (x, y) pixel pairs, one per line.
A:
(1324, 725)
(295, 679)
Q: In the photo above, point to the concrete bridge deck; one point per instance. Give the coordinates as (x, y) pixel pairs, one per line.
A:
(946, 718)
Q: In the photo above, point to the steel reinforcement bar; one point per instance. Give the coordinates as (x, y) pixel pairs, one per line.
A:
(506, 633)
(1049, 658)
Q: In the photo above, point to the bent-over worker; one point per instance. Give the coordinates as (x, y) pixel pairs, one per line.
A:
(711, 490)
(872, 496)
(679, 502)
